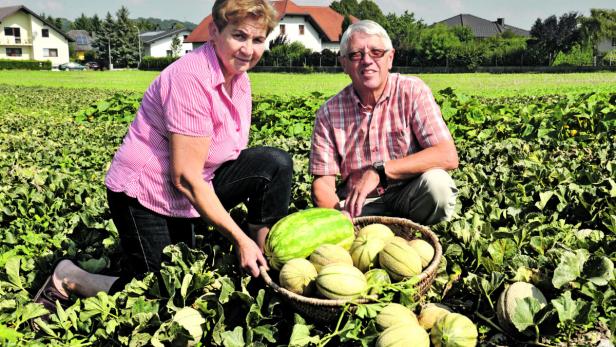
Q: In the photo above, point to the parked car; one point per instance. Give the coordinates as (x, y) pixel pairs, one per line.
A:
(71, 66)
(94, 65)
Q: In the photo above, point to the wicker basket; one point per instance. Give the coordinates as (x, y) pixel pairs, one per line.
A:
(326, 310)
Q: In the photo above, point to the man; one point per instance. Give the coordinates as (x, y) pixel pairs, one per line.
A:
(385, 136)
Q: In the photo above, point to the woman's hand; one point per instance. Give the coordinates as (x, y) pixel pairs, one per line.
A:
(249, 256)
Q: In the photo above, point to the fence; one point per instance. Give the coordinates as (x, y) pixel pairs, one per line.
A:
(443, 69)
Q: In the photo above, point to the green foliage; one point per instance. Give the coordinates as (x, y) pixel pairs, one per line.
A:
(156, 63)
(287, 53)
(437, 43)
(609, 58)
(536, 202)
(10, 64)
(577, 56)
(117, 39)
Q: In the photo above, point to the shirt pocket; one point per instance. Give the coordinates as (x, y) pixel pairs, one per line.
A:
(397, 141)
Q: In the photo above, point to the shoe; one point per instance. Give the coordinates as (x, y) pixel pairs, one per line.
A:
(48, 295)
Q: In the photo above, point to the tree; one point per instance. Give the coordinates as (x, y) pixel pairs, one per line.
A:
(126, 39)
(105, 40)
(437, 45)
(176, 46)
(600, 24)
(345, 7)
(368, 9)
(404, 30)
(554, 35)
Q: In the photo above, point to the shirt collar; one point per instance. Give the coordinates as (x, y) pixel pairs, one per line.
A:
(217, 77)
(384, 97)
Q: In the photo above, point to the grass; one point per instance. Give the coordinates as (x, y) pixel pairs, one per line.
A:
(490, 85)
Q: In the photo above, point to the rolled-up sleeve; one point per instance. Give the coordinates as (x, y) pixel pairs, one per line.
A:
(186, 103)
(427, 121)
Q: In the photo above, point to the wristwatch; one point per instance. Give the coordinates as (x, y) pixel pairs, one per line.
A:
(379, 167)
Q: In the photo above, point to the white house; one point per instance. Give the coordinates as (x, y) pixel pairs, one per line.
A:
(26, 36)
(606, 45)
(158, 43)
(316, 27)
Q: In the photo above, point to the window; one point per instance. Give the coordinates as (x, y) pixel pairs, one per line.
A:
(613, 41)
(185, 37)
(282, 29)
(45, 32)
(13, 52)
(187, 51)
(50, 52)
(301, 29)
(81, 39)
(12, 32)
(169, 53)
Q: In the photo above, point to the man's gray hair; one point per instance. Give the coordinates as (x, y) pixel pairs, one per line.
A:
(365, 26)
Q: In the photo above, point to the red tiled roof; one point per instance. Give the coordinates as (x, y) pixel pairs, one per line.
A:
(325, 20)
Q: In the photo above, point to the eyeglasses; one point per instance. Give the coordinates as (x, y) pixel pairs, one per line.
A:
(374, 53)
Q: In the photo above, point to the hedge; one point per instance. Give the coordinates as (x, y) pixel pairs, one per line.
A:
(155, 63)
(8, 64)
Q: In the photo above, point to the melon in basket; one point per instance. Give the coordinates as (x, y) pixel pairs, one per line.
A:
(424, 250)
(376, 278)
(341, 281)
(399, 259)
(298, 276)
(377, 231)
(299, 234)
(365, 250)
(328, 254)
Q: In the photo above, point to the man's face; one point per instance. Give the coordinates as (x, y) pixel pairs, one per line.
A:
(368, 72)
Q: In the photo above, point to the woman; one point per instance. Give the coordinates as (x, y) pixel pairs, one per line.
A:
(185, 158)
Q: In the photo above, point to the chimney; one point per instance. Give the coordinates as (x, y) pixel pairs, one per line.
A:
(500, 21)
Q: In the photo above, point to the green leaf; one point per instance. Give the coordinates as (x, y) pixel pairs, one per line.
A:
(233, 338)
(12, 271)
(300, 336)
(8, 334)
(525, 311)
(544, 197)
(32, 310)
(566, 307)
(599, 270)
(569, 268)
(501, 250)
(191, 320)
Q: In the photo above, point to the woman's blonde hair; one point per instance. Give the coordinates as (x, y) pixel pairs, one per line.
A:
(235, 11)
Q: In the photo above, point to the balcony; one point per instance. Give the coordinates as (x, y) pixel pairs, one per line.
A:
(15, 41)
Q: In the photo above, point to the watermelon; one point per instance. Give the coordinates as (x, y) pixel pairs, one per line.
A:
(299, 234)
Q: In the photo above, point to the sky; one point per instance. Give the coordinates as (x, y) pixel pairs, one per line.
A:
(519, 13)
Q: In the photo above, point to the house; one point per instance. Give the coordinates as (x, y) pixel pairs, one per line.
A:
(607, 44)
(83, 43)
(158, 43)
(316, 27)
(25, 35)
(483, 28)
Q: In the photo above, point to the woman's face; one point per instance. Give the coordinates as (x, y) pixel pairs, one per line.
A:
(239, 46)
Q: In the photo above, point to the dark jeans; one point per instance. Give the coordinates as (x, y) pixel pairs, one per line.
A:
(260, 177)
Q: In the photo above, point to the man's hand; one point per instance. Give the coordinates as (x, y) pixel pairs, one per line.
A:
(250, 256)
(357, 196)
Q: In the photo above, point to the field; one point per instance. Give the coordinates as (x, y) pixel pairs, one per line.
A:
(537, 203)
(489, 85)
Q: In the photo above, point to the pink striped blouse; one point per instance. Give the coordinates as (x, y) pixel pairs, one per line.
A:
(187, 98)
(349, 137)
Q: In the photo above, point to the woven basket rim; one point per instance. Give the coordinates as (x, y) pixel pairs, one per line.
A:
(427, 273)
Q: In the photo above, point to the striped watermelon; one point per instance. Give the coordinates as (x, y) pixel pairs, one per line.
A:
(299, 234)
